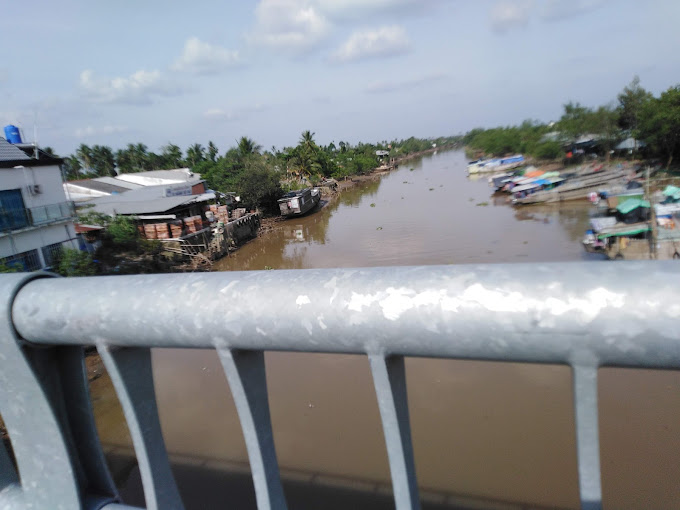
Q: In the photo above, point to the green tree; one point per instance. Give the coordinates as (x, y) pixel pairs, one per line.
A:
(72, 262)
(84, 155)
(195, 154)
(212, 151)
(247, 147)
(631, 101)
(171, 155)
(576, 120)
(259, 186)
(123, 230)
(659, 124)
(605, 123)
(72, 168)
(103, 161)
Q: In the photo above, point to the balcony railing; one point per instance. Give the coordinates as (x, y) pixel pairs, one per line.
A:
(51, 213)
(584, 315)
(20, 218)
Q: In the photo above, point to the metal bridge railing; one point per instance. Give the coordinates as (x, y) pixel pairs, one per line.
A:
(583, 314)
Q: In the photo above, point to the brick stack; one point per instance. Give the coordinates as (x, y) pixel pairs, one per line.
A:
(198, 222)
(162, 231)
(222, 214)
(176, 229)
(192, 225)
(150, 231)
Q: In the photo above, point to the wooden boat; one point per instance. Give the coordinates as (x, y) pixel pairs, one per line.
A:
(300, 202)
(577, 188)
(495, 165)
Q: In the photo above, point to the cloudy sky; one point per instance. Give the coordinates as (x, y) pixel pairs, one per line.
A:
(158, 71)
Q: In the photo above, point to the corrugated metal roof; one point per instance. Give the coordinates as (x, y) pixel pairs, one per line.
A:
(97, 185)
(9, 152)
(141, 202)
(118, 182)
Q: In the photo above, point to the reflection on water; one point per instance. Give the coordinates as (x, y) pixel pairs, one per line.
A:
(488, 430)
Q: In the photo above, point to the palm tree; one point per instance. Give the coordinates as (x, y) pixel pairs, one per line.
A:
(303, 163)
(172, 156)
(195, 154)
(247, 147)
(84, 154)
(212, 151)
(103, 161)
(307, 140)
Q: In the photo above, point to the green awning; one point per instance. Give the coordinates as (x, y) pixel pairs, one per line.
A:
(620, 233)
(630, 204)
(672, 191)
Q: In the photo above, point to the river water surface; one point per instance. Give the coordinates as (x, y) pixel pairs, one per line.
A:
(493, 431)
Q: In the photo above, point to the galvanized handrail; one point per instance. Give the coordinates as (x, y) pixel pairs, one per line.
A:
(581, 314)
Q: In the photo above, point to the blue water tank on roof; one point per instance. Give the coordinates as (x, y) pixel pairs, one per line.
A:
(12, 134)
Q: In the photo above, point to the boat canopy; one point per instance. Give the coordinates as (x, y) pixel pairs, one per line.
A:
(672, 191)
(542, 182)
(525, 187)
(631, 204)
(628, 230)
(602, 223)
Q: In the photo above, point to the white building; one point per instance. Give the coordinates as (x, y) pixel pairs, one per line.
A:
(36, 218)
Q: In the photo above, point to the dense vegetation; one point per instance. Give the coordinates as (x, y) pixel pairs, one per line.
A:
(259, 177)
(654, 121)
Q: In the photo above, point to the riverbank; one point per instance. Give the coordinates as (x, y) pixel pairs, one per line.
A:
(272, 224)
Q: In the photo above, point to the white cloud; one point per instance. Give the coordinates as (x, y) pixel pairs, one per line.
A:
(140, 87)
(509, 14)
(382, 42)
(288, 25)
(90, 131)
(204, 58)
(346, 9)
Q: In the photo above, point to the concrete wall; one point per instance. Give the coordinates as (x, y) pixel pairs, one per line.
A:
(51, 192)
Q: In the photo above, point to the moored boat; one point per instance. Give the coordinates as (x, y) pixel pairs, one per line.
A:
(495, 164)
(300, 202)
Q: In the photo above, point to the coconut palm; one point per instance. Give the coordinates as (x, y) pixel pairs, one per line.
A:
(195, 154)
(247, 147)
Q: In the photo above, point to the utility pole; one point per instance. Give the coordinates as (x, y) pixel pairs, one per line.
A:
(652, 216)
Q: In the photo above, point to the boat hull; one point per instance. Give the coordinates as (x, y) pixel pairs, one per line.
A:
(300, 205)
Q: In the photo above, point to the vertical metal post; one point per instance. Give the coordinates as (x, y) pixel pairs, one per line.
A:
(132, 377)
(389, 379)
(587, 435)
(245, 371)
(47, 476)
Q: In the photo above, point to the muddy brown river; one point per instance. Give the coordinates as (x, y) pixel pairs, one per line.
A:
(484, 433)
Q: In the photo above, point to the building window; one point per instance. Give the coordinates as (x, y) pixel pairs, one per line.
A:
(12, 210)
(26, 261)
(51, 253)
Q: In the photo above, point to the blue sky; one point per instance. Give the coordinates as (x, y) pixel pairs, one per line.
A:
(355, 70)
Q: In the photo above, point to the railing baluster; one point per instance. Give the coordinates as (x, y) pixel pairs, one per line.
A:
(587, 435)
(47, 477)
(245, 371)
(132, 377)
(389, 379)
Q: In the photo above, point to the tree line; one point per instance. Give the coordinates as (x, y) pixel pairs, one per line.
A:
(259, 176)
(636, 112)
